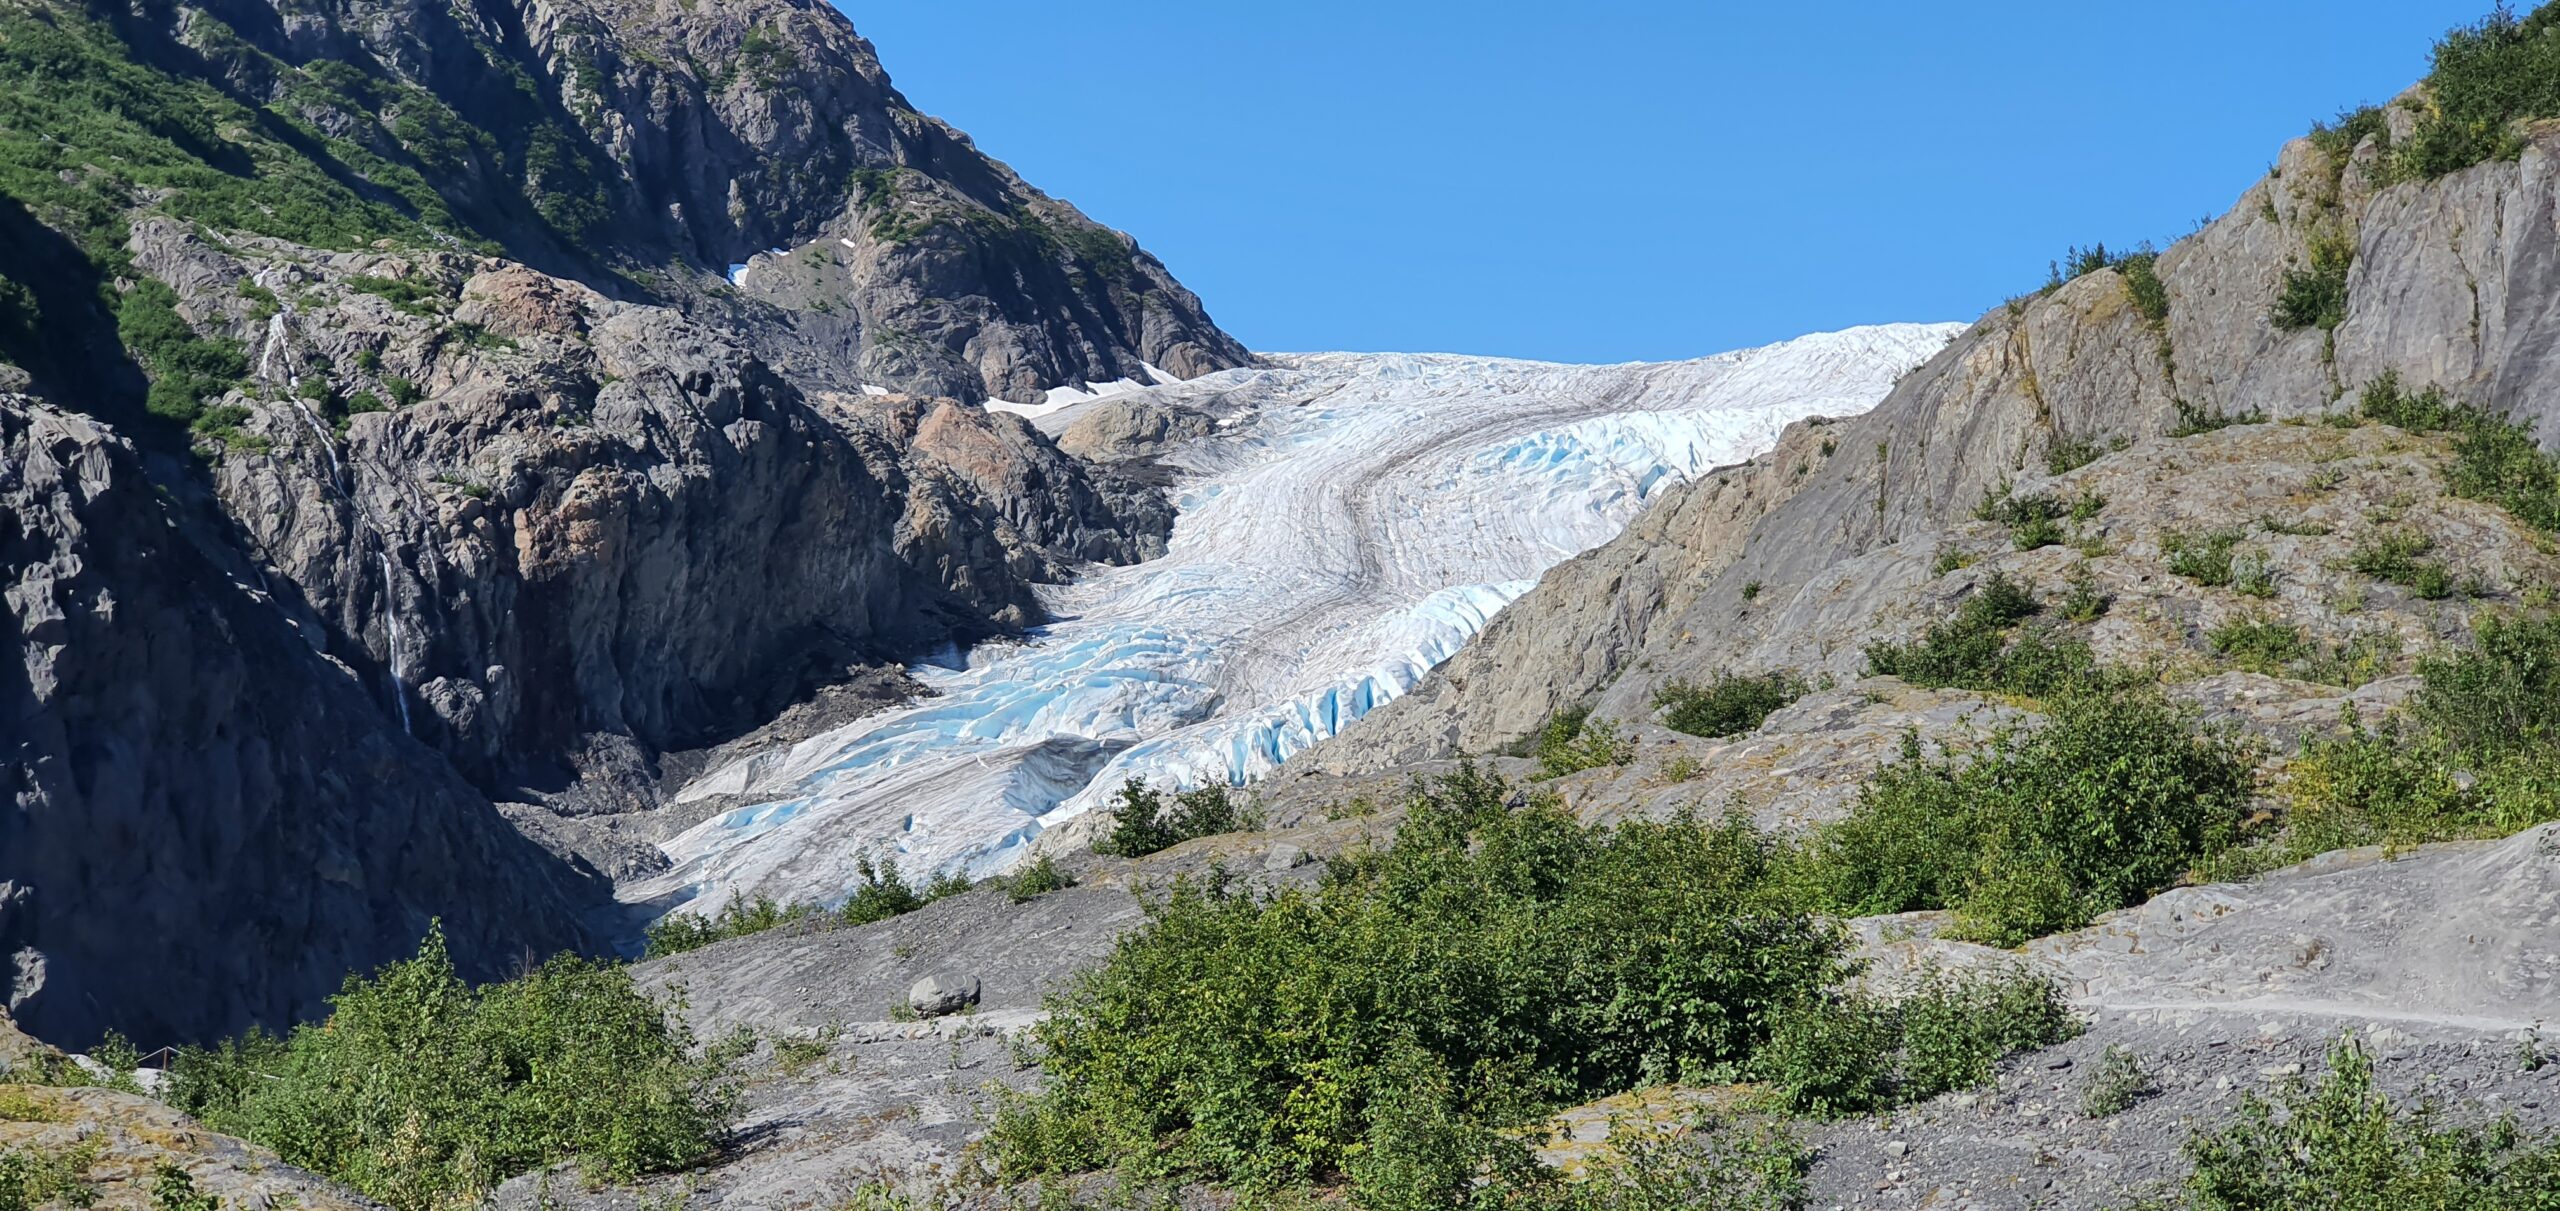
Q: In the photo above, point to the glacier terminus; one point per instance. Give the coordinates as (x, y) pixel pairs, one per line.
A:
(1353, 520)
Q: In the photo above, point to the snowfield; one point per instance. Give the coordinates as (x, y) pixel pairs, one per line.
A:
(1352, 523)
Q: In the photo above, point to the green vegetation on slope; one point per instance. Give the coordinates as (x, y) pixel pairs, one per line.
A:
(1492, 962)
(1984, 648)
(2494, 459)
(1143, 821)
(2476, 753)
(1726, 706)
(883, 893)
(2115, 798)
(423, 1092)
(2343, 1144)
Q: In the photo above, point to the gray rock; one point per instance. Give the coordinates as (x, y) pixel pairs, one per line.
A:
(2449, 287)
(943, 992)
(171, 740)
(619, 532)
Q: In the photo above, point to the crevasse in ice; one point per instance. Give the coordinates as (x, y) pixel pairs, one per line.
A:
(1353, 522)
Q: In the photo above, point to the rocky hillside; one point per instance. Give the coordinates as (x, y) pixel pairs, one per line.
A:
(2440, 281)
(641, 147)
(480, 474)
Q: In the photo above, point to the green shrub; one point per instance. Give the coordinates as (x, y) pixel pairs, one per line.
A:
(1571, 742)
(1037, 878)
(678, 932)
(2203, 558)
(1492, 961)
(1143, 823)
(422, 1091)
(2477, 753)
(2260, 644)
(173, 1190)
(2034, 520)
(2494, 460)
(2486, 78)
(1848, 1053)
(2069, 455)
(403, 392)
(186, 370)
(2343, 1144)
(2393, 556)
(2119, 1082)
(1710, 1167)
(2193, 420)
(2113, 799)
(2314, 294)
(1983, 648)
(1726, 706)
(883, 893)
(2140, 269)
(2086, 602)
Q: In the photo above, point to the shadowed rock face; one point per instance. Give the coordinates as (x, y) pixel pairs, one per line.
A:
(210, 824)
(604, 520)
(525, 494)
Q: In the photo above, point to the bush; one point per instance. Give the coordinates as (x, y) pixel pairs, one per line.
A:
(2260, 644)
(2487, 78)
(884, 893)
(2109, 802)
(422, 1091)
(2476, 755)
(1848, 1053)
(678, 932)
(1572, 742)
(2494, 460)
(2203, 558)
(2193, 420)
(1726, 706)
(2119, 1082)
(2314, 294)
(1037, 879)
(186, 370)
(1492, 961)
(1977, 650)
(2069, 455)
(1142, 823)
(2343, 1144)
(1710, 1167)
(2034, 520)
(2392, 556)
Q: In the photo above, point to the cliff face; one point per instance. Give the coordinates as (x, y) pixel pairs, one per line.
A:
(209, 822)
(420, 319)
(2452, 283)
(601, 519)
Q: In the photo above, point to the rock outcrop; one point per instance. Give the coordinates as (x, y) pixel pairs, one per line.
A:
(2451, 285)
(209, 823)
(602, 523)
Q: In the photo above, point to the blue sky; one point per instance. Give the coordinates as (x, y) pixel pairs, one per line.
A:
(1615, 179)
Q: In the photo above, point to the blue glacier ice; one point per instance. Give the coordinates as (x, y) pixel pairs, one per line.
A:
(1353, 522)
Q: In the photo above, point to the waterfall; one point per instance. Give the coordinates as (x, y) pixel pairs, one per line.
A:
(391, 627)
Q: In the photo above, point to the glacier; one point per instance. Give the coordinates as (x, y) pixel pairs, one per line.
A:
(1352, 522)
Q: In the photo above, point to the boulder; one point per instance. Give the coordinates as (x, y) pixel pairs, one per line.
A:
(943, 992)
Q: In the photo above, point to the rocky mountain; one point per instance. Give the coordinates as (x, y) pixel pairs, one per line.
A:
(2227, 473)
(2442, 281)
(484, 473)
